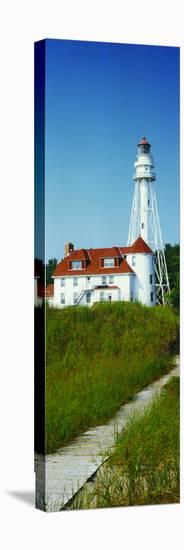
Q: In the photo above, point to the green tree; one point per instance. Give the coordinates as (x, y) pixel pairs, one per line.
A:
(172, 254)
(50, 267)
(39, 270)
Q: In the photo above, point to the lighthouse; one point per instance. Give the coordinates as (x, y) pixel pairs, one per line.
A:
(144, 220)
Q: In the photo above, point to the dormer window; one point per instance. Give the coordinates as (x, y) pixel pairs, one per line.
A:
(108, 262)
(77, 264)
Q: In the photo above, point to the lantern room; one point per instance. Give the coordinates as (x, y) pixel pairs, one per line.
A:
(143, 147)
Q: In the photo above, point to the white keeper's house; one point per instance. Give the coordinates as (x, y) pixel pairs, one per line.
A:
(114, 274)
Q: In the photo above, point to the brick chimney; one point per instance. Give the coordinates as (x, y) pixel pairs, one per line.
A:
(68, 248)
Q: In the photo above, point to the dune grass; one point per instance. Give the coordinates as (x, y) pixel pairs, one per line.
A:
(144, 465)
(98, 358)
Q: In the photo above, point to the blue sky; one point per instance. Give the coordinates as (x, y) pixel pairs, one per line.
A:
(100, 100)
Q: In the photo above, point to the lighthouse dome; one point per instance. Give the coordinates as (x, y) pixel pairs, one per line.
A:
(144, 145)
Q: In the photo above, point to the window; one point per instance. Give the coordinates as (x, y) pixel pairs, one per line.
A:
(88, 297)
(102, 296)
(75, 281)
(75, 297)
(133, 260)
(131, 296)
(76, 265)
(108, 262)
(63, 281)
(111, 279)
(62, 298)
(151, 279)
(151, 296)
(142, 225)
(104, 280)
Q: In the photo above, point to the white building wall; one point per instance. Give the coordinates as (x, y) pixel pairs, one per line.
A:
(35, 291)
(144, 167)
(143, 266)
(124, 282)
(50, 301)
(37, 299)
(144, 209)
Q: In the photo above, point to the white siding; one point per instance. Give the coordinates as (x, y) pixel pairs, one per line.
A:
(124, 282)
(143, 268)
(50, 301)
(37, 300)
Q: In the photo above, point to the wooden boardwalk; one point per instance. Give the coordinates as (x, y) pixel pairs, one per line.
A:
(68, 469)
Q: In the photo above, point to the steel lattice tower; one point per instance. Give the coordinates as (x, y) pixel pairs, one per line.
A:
(144, 220)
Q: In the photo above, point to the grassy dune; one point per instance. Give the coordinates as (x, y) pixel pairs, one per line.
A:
(144, 465)
(98, 358)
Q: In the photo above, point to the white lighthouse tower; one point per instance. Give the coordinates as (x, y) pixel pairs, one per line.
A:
(144, 220)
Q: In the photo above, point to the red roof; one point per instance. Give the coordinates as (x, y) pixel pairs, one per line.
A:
(139, 246)
(47, 292)
(143, 141)
(92, 259)
(125, 249)
(93, 267)
(77, 255)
